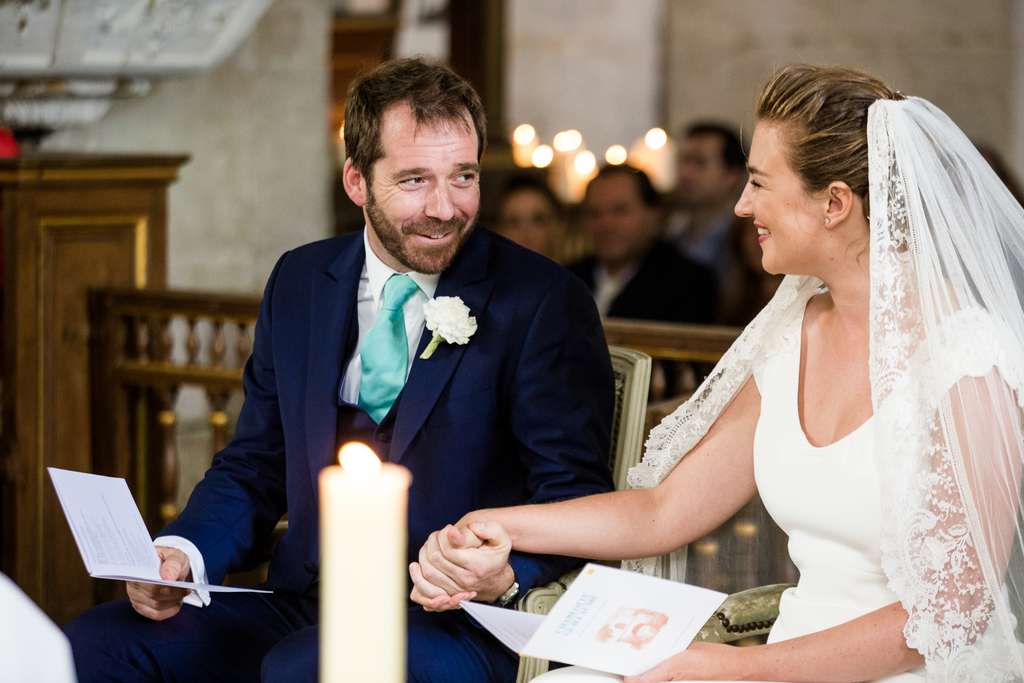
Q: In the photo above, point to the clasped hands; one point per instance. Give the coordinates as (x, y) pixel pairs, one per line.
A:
(464, 562)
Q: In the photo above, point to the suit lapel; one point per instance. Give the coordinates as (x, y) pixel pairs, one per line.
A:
(468, 279)
(333, 312)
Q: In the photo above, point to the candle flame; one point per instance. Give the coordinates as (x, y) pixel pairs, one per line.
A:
(358, 460)
(542, 156)
(568, 140)
(524, 134)
(656, 138)
(616, 155)
(585, 162)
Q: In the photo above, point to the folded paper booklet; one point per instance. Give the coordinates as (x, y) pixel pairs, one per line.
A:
(110, 533)
(611, 620)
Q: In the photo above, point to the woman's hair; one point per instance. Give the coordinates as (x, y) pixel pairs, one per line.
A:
(825, 114)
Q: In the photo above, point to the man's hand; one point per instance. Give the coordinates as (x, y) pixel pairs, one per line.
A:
(462, 564)
(162, 602)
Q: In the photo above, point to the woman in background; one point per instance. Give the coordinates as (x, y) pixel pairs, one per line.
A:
(752, 287)
(530, 215)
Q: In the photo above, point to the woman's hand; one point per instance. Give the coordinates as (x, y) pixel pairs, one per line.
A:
(698, 662)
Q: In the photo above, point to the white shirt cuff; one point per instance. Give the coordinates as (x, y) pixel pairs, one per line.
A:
(196, 598)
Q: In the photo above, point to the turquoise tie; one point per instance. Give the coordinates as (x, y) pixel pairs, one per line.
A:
(385, 351)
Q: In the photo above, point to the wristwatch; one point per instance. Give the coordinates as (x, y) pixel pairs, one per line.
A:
(509, 596)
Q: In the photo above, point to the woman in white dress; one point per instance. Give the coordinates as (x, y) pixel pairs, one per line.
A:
(875, 405)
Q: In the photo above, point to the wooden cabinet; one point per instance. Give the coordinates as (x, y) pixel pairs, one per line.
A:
(70, 223)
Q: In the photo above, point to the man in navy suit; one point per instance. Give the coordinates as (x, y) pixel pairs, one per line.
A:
(519, 413)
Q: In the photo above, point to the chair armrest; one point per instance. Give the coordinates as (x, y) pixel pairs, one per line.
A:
(541, 599)
(744, 614)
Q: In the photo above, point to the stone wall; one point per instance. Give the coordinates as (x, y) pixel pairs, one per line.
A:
(960, 55)
(592, 65)
(259, 180)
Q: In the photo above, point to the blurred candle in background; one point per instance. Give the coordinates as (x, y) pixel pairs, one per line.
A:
(579, 174)
(616, 155)
(567, 140)
(655, 155)
(542, 156)
(524, 142)
(363, 537)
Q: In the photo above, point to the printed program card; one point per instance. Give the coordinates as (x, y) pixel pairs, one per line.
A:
(610, 620)
(110, 533)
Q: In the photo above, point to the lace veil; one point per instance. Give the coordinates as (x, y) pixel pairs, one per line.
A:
(947, 386)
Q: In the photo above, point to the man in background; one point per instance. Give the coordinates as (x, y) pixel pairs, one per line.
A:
(711, 172)
(634, 273)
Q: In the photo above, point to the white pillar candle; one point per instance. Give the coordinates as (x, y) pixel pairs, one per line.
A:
(363, 568)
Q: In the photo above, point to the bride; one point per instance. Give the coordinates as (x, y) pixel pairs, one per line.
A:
(875, 404)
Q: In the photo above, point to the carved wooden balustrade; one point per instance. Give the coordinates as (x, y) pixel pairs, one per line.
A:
(749, 550)
(147, 345)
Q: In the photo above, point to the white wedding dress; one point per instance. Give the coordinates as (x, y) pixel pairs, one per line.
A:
(826, 499)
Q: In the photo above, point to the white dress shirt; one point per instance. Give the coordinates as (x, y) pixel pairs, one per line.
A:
(369, 300)
(368, 305)
(607, 287)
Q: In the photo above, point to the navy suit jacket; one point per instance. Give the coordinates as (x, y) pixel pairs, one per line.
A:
(520, 414)
(667, 286)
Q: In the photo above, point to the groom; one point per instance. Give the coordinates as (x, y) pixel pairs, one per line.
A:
(517, 413)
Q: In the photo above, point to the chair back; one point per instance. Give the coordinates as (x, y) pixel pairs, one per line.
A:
(632, 371)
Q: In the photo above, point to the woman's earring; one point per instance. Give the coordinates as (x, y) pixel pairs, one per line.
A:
(827, 221)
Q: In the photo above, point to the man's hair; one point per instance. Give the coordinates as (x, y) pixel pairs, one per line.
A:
(732, 150)
(434, 93)
(649, 195)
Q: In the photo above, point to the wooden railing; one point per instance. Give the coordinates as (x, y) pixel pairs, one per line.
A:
(681, 355)
(147, 345)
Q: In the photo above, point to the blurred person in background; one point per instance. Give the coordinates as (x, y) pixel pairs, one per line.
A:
(530, 215)
(710, 175)
(995, 160)
(752, 287)
(634, 273)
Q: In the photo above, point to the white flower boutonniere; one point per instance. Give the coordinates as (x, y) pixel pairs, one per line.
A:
(449, 319)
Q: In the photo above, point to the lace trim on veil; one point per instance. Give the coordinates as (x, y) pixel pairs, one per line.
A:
(926, 336)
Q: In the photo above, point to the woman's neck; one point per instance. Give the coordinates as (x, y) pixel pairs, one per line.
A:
(849, 300)
(846, 271)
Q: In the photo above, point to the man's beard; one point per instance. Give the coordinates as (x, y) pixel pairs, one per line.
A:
(428, 260)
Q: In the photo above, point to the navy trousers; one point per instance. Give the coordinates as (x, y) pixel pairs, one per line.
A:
(249, 637)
